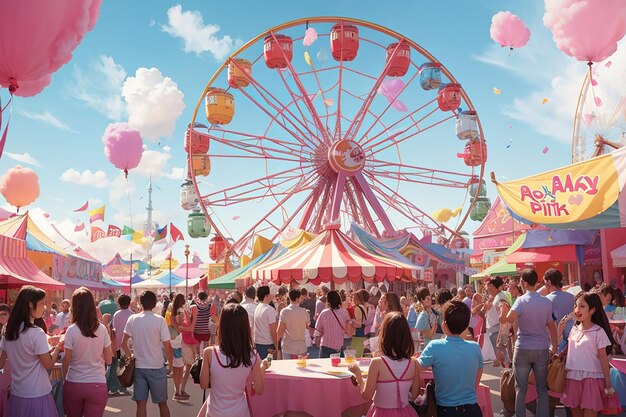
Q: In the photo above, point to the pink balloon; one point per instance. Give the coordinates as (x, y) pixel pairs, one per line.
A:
(19, 186)
(545, 150)
(508, 30)
(586, 30)
(123, 146)
(37, 37)
(391, 87)
(32, 88)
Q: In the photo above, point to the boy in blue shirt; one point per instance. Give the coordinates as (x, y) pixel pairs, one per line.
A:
(457, 365)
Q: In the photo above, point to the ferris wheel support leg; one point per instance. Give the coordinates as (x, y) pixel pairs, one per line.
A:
(340, 184)
(311, 205)
(364, 209)
(375, 204)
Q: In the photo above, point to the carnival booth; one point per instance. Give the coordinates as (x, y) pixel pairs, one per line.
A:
(17, 270)
(588, 195)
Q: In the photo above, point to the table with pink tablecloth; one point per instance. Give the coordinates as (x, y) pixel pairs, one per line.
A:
(312, 390)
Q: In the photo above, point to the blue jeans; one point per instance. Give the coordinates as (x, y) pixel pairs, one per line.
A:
(523, 361)
(326, 351)
(262, 350)
(468, 410)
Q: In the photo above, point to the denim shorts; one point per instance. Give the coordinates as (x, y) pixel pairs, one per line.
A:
(153, 381)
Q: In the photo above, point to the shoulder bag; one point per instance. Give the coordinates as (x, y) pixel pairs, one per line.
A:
(428, 408)
(126, 371)
(349, 330)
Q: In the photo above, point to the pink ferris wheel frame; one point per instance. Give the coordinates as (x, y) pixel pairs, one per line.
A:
(336, 166)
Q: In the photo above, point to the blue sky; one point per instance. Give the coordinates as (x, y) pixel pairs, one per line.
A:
(167, 51)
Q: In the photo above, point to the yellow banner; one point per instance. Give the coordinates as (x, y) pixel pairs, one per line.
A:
(576, 192)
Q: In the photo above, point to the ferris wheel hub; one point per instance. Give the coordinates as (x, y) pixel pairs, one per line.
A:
(346, 157)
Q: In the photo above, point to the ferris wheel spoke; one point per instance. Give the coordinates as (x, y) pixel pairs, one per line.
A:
(399, 203)
(322, 208)
(404, 172)
(364, 187)
(261, 182)
(365, 212)
(255, 149)
(281, 109)
(305, 96)
(358, 119)
(396, 141)
(260, 139)
(408, 117)
(311, 202)
(265, 218)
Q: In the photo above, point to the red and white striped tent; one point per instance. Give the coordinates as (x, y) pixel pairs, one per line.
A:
(333, 256)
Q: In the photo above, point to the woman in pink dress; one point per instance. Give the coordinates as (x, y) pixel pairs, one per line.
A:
(394, 374)
(227, 367)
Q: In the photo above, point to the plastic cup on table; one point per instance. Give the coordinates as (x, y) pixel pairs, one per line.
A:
(349, 355)
(301, 361)
(335, 359)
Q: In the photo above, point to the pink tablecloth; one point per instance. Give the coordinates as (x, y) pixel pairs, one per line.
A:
(311, 390)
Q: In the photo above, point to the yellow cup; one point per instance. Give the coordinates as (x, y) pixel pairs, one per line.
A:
(349, 356)
(301, 361)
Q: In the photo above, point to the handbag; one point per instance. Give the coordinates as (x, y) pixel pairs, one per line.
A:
(556, 374)
(126, 372)
(195, 369)
(428, 408)
(507, 389)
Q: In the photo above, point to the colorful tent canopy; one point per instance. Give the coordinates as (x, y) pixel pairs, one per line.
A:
(586, 195)
(333, 256)
(191, 283)
(563, 253)
(119, 267)
(196, 270)
(228, 281)
(502, 268)
(16, 269)
(165, 276)
(389, 248)
(554, 237)
(23, 227)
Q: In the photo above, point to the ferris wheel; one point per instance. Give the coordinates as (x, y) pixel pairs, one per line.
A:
(332, 119)
(600, 119)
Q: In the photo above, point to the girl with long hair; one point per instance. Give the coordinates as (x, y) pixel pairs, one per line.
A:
(184, 354)
(87, 353)
(588, 388)
(26, 347)
(227, 366)
(392, 375)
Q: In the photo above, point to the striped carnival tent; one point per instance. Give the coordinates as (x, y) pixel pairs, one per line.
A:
(334, 257)
(17, 270)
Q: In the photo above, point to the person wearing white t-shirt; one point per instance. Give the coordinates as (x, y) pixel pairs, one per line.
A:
(26, 347)
(249, 304)
(265, 337)
(150, 336)
(292, 325)
(491, 310)
(63, 317)
(87, 352)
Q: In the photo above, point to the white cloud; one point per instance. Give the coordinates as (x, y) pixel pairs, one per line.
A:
(48, 118)
(154, 103)
(100, 87)
(24, 158)
(198, 37)
(556, 118)
(96, 179)
(176, 173)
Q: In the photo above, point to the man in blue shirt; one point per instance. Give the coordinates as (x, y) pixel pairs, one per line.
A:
(457, 365)
(562, 301)
(535, 331)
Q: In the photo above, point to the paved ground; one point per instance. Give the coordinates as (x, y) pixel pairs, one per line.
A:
(123, 406)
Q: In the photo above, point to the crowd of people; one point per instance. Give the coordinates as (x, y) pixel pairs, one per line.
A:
(237, 335)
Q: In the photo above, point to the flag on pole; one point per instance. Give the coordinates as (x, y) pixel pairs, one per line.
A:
(83, 207)
(175, 233)
(127, 232)
(161, 233)
(114, 231)
(79, 227)
(97, 233)
(96, 214)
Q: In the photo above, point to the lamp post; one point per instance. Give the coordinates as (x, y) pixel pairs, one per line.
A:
(187, 270)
